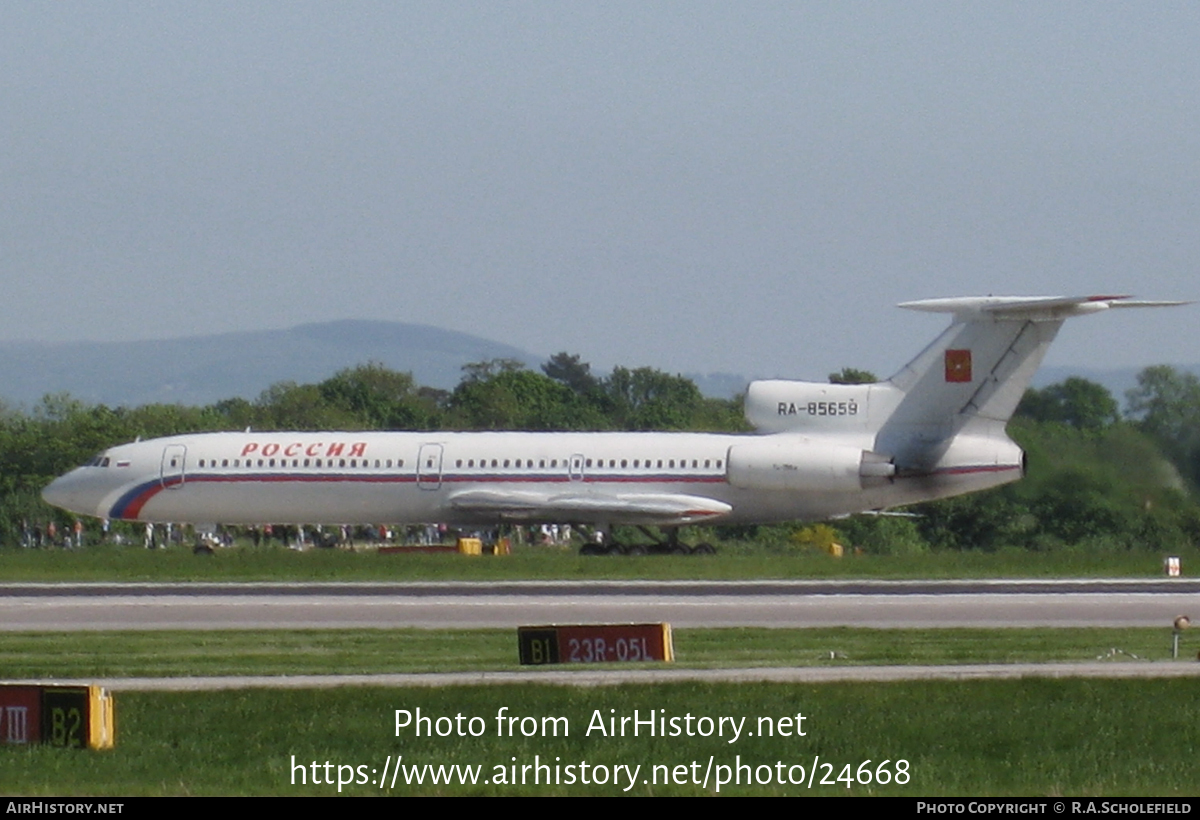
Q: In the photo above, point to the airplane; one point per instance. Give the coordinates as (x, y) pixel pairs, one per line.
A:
(935, 429)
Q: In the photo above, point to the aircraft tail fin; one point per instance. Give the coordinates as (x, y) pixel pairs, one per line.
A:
(972, 376)
(959, 391)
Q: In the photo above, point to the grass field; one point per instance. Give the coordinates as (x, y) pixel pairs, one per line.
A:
(111, 563)
(1025, 737)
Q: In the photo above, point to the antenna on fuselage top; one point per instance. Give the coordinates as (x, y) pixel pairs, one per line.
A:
(247, 429)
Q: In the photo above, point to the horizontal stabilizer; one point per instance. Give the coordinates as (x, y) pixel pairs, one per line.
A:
(1030, 308)
(650, 508)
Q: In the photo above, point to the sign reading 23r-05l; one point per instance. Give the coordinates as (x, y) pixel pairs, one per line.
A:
(819, 408)
(595, 643)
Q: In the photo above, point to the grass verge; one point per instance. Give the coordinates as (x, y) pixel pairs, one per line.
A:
(1024, 737)
(111, 563)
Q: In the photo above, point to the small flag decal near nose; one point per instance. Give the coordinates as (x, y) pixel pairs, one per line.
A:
(958, 365)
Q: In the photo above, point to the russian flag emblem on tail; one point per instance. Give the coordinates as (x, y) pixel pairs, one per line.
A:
(958, 365)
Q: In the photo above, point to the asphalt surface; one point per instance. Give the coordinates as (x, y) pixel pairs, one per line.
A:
(783, 604)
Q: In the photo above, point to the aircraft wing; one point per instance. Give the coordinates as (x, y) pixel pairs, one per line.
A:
(651, 508)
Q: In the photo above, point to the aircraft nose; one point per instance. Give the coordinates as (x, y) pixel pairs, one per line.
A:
(55, 494)
(67, 493)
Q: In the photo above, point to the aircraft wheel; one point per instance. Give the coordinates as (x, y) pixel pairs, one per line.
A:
(590, 549)
(636, 549)
(704, 549)
(680, 549)
(613, 549)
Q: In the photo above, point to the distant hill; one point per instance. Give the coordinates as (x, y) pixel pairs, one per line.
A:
(204, 369)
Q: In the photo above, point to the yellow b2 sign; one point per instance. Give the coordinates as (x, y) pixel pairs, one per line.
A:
(70, 717)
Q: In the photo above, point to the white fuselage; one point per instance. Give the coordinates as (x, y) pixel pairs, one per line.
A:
(478, 478)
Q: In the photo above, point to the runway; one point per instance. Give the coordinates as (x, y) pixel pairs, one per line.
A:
(781, 604)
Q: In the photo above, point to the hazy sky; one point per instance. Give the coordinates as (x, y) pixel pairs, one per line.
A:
(745, 187)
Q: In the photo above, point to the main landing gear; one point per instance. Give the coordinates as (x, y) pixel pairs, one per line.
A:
(604, 545)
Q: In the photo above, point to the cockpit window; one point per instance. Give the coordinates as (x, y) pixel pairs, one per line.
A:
(99, 461)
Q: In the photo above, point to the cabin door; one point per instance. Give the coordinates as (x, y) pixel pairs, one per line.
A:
(172, 471)
(429, 467)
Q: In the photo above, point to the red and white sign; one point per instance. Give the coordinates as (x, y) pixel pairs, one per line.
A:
(20, 714)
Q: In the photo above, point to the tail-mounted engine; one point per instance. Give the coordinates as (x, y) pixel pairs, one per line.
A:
(801, 464)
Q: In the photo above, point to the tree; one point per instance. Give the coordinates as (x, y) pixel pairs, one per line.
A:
(575, 374)
(514, 400)
(482, 371)
(238, 413)
(649, 399)
(1077, 402)
(1166, 405)
(380, 398)
(291, 406)
(852, 375)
